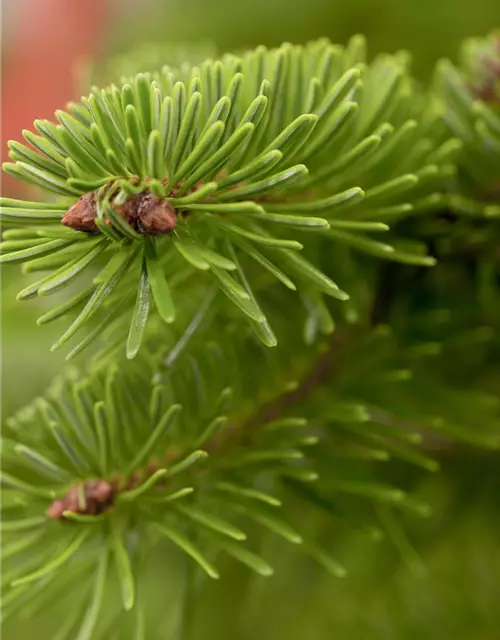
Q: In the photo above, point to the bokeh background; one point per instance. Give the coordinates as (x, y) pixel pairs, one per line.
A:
(47, 47)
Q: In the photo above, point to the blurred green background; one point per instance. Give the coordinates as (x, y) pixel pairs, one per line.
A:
(429, 29)
(382, 598)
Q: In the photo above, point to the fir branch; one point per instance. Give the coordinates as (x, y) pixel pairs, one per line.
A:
(236, 153)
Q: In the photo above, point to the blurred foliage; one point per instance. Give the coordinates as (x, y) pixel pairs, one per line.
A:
(450, 591)
(382, 598)
(427, 28)
(27, 362)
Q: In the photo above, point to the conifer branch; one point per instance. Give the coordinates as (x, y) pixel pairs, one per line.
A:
(260, 156)
(180, 199)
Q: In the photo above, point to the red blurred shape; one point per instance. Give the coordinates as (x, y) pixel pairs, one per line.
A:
(48, 37)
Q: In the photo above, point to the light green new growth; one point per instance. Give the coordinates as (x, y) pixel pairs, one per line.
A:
(263, 156)
(471, 96)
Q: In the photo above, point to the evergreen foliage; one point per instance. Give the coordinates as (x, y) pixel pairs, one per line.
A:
(195, 216)
(471, 96)
(185, 171)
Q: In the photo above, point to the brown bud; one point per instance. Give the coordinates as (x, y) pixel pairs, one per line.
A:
(71, 500)
(81, 215)
(55, 510)
(101, 491)
(99, 496)
(155, 216)
(144, 212)
(129, 209)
